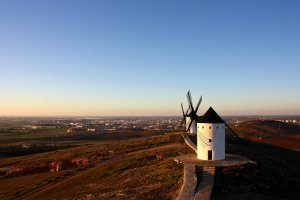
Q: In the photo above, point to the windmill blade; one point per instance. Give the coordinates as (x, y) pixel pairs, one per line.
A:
(189, 127)
(187, 110)
(189, 98)
(199, 102)
(182, 109)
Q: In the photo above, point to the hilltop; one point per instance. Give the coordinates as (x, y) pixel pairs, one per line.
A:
(140, 165)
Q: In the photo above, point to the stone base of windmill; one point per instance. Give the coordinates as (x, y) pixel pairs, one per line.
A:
(230, 160)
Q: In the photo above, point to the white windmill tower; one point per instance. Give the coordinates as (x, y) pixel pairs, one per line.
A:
(211, 136)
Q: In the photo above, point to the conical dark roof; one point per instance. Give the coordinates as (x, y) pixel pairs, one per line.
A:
(211, 117)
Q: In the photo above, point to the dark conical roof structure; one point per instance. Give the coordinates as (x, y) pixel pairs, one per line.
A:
(211, 117)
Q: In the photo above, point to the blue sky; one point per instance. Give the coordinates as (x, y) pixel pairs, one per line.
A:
(121, 57)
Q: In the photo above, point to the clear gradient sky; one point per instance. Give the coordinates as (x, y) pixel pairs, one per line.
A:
(125, 57)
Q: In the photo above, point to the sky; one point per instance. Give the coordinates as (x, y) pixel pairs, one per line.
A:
(139, 58)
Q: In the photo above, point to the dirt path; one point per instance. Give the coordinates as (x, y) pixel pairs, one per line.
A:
(86, 170)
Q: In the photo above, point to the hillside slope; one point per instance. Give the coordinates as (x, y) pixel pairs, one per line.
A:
(276, 175)
(265, 128)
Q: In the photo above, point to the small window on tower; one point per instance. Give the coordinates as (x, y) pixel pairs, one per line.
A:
(217, 126)
(210, 127)
(202, 126)
(209, 140)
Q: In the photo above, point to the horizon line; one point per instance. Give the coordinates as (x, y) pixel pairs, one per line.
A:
(107, 116)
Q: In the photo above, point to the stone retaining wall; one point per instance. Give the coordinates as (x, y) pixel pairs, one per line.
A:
(189, 183)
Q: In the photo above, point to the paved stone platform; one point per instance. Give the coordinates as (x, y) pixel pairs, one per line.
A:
(230, 160)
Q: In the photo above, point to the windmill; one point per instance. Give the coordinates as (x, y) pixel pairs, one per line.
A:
(191, 117)
(184, 114)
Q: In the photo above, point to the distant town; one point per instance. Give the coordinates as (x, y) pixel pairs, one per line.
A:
(73, 125)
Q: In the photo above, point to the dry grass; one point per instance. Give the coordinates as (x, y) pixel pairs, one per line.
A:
(131, 169)
(150, 175)
(16, 186)
(290, 141)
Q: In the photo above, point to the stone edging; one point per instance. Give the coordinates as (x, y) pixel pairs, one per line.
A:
(189, 183)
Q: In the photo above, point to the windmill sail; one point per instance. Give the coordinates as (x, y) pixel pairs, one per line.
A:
(191, 113)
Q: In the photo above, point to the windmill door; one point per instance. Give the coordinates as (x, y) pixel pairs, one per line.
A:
(209, 155)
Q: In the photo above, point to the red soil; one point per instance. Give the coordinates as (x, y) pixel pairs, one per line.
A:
(289, 142)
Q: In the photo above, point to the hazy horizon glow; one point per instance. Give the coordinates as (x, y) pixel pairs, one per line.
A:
(139, 58)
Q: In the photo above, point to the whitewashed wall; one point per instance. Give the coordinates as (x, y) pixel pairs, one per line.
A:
(215, 132)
